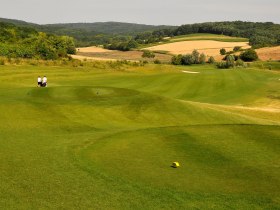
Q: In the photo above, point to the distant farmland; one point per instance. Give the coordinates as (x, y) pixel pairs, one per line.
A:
(209, 44)
(268, 53)
(97, 53)
(208, 47)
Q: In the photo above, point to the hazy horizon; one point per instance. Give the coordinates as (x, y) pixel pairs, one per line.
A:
(145, 12)
(130, 22)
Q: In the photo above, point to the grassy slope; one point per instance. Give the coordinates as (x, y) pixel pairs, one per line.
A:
(197, 37)
(106, 140)
(205, 36)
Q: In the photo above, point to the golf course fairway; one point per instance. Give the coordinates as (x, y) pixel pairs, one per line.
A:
(106, 138)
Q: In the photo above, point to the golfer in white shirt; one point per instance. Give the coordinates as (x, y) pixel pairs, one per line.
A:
(45, 80)
(39, 81)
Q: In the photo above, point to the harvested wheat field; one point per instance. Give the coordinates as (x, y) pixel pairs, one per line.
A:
(269, 53)
(83, 57)
(96, 53)
(208, 47)
(92, 49)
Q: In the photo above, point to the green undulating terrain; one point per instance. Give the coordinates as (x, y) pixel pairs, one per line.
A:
(106, 139)
(195, 37)
(205, 36)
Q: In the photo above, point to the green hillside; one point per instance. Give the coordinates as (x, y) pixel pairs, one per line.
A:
(101, 33)
(87, 34)
(104, 136)
(108, 27)
(193, 37)
(206, 36)
(18, 22)
(95, 28)
(27, 42)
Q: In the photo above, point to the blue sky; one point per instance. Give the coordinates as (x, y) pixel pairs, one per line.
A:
(156, 12)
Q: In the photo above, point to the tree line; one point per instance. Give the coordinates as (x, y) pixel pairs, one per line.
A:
(259, 34)
(27, 42)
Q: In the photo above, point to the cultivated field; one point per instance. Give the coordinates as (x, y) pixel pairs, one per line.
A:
(269, 53)
(97, 53)
(93, 57)
(92, 49)
(208, 47)
(105, 137)
(209, 44)
(205, 36)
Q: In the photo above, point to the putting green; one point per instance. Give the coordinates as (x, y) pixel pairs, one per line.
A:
(106, 139)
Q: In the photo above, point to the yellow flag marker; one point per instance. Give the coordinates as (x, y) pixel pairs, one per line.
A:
(175, 165)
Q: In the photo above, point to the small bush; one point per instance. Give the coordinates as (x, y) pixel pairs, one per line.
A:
(188, 59)
(249, 55)
(211, 60)
(230, 61)
(157, 61)
(148, 54)
(236, 48)
(176, 60)
(195, 55)
(202, 58)
(239, 63)
(236, 57)
(223, 51)
(222, 65)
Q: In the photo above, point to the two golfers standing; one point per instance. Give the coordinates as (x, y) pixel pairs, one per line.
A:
(42, 82)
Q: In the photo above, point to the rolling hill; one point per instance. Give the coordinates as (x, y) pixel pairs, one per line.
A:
(18, 22)
(94, 28)
(88, 34)
(103, 138)
(108, 27)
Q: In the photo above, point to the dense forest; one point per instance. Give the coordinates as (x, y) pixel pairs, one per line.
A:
(27, 42)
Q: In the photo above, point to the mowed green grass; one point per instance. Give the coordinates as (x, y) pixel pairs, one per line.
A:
(106, 138)
(197, 37)
(206, 36)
